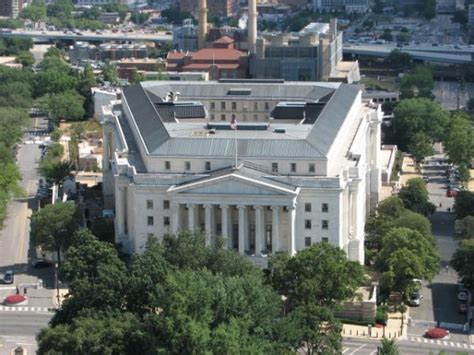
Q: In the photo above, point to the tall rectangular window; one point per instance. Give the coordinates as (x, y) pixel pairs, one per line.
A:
(324, 207)
(275, 167)
(222, 117)
(149, 204)
(255, 106)
(213, 105)
(325, 240)
(307, 241)
(223, 105)
(307, 224)
(212, 117)
(325, 224)
(166, 204)
(307, 207)
(293, 167)
(166, 221)
(208, 165)
(311, 168)
(167, 165)
(234, 105)
(267, 106)
(187, 165)
(150, 220)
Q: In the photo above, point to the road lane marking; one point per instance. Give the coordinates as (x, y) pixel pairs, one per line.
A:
(445, 343)
(373, 352)
(451, 343)
(343, 351)
(425, 340)
(359, 348)
(458, 345)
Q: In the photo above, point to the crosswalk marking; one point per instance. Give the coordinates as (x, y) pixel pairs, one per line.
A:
(442, 343)
(345, 349)
(25, 309)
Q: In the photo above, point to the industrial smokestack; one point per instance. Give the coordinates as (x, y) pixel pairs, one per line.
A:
(252, 25)
(202, 23)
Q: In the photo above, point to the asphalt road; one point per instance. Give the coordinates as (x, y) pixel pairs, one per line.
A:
(440, 302)
(15, 251)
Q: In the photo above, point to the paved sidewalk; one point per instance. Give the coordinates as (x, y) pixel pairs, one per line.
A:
(392, 329)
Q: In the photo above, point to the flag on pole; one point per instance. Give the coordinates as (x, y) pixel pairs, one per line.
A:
(233, 123)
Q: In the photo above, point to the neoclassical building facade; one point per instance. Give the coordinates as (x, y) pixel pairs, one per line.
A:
(268, 165)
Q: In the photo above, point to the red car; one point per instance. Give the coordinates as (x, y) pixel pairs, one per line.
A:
(452, 193)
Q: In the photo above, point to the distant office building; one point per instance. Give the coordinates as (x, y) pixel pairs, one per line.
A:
(449, 6)
(315, 54)
(129, 3)
(85, 51)
(10, 8)
(186, 37)
(471, 16)
(348, 5)
(223, 8)
(220, 61)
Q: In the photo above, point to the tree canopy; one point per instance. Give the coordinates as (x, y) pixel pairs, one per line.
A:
(462, 263)
(420, 83)
(464, 204)
(415, 197)
(418, 115)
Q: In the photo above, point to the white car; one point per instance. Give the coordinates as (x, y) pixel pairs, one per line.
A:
(462, 296)
(415, 299)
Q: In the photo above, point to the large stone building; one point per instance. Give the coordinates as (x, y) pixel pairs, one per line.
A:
(314, 54)
(10, 8)
(301, 167)
(223, 8)
(359, 6)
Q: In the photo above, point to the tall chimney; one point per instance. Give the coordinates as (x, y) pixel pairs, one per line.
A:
(202, 23)
(252, 25)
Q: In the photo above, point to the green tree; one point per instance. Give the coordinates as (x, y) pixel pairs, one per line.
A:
(53, 82)
(388, 347)
(428, 8)
(417, 115)
(53, 226)
(55, 169)
(312, 329)
(398, 59)
(61, 9)
(459, 141)
(420, 147)
(468, 227)
(415, 197)
(110, 73)
(420, 83)
(25, 58)
(68, 105)
(406, 255)
(35, 12)
(462, 262)
(321, 273)
(100, 333)
(464, 204)
(387, 35)
(175, 16)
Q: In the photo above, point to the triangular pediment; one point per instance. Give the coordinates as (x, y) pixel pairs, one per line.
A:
(232, 185)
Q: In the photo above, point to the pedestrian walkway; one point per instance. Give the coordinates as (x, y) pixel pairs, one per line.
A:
(448, 343)
(25, 309)
(393, 329)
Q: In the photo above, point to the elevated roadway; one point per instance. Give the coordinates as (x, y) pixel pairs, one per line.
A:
(107, 36)
(445, 55)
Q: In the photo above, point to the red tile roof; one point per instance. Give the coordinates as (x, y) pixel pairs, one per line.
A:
(218, 54)
(224, 39)
(207, 66)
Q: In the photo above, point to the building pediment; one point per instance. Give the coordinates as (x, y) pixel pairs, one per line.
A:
(233, 185)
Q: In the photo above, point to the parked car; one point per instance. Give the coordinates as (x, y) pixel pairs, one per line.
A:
(8, 277)
(452, 193)
(415, 299)
(462, 296)
(462, 307)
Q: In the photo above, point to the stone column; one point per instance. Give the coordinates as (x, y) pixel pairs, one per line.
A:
(191, 216)
(225, 225)
(291, 236)
(242, 224)
(119, 211)
(259, 229)
(208, 223)
(353, 191)
(174, 217)
(275, 228)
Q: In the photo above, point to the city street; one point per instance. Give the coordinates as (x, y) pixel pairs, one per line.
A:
(15, 252)
(440, 302)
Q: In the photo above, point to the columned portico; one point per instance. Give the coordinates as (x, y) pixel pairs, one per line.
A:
(225, 225)
(275, 228)
(242, 230)
(259, 230)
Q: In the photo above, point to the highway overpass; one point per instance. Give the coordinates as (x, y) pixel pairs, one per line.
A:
(106, 36)
(444, 55)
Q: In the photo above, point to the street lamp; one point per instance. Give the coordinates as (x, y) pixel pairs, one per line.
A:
(56, 280)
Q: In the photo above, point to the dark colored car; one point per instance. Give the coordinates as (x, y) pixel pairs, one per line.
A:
(462, 308)
(8, 277)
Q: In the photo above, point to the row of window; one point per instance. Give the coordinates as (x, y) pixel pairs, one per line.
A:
(244, 117)
(308, 241)
(308, 207)
(233, 105)
(151, 221)
(308, 224)
(311, 167)
(166, 204)
(187, 165)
